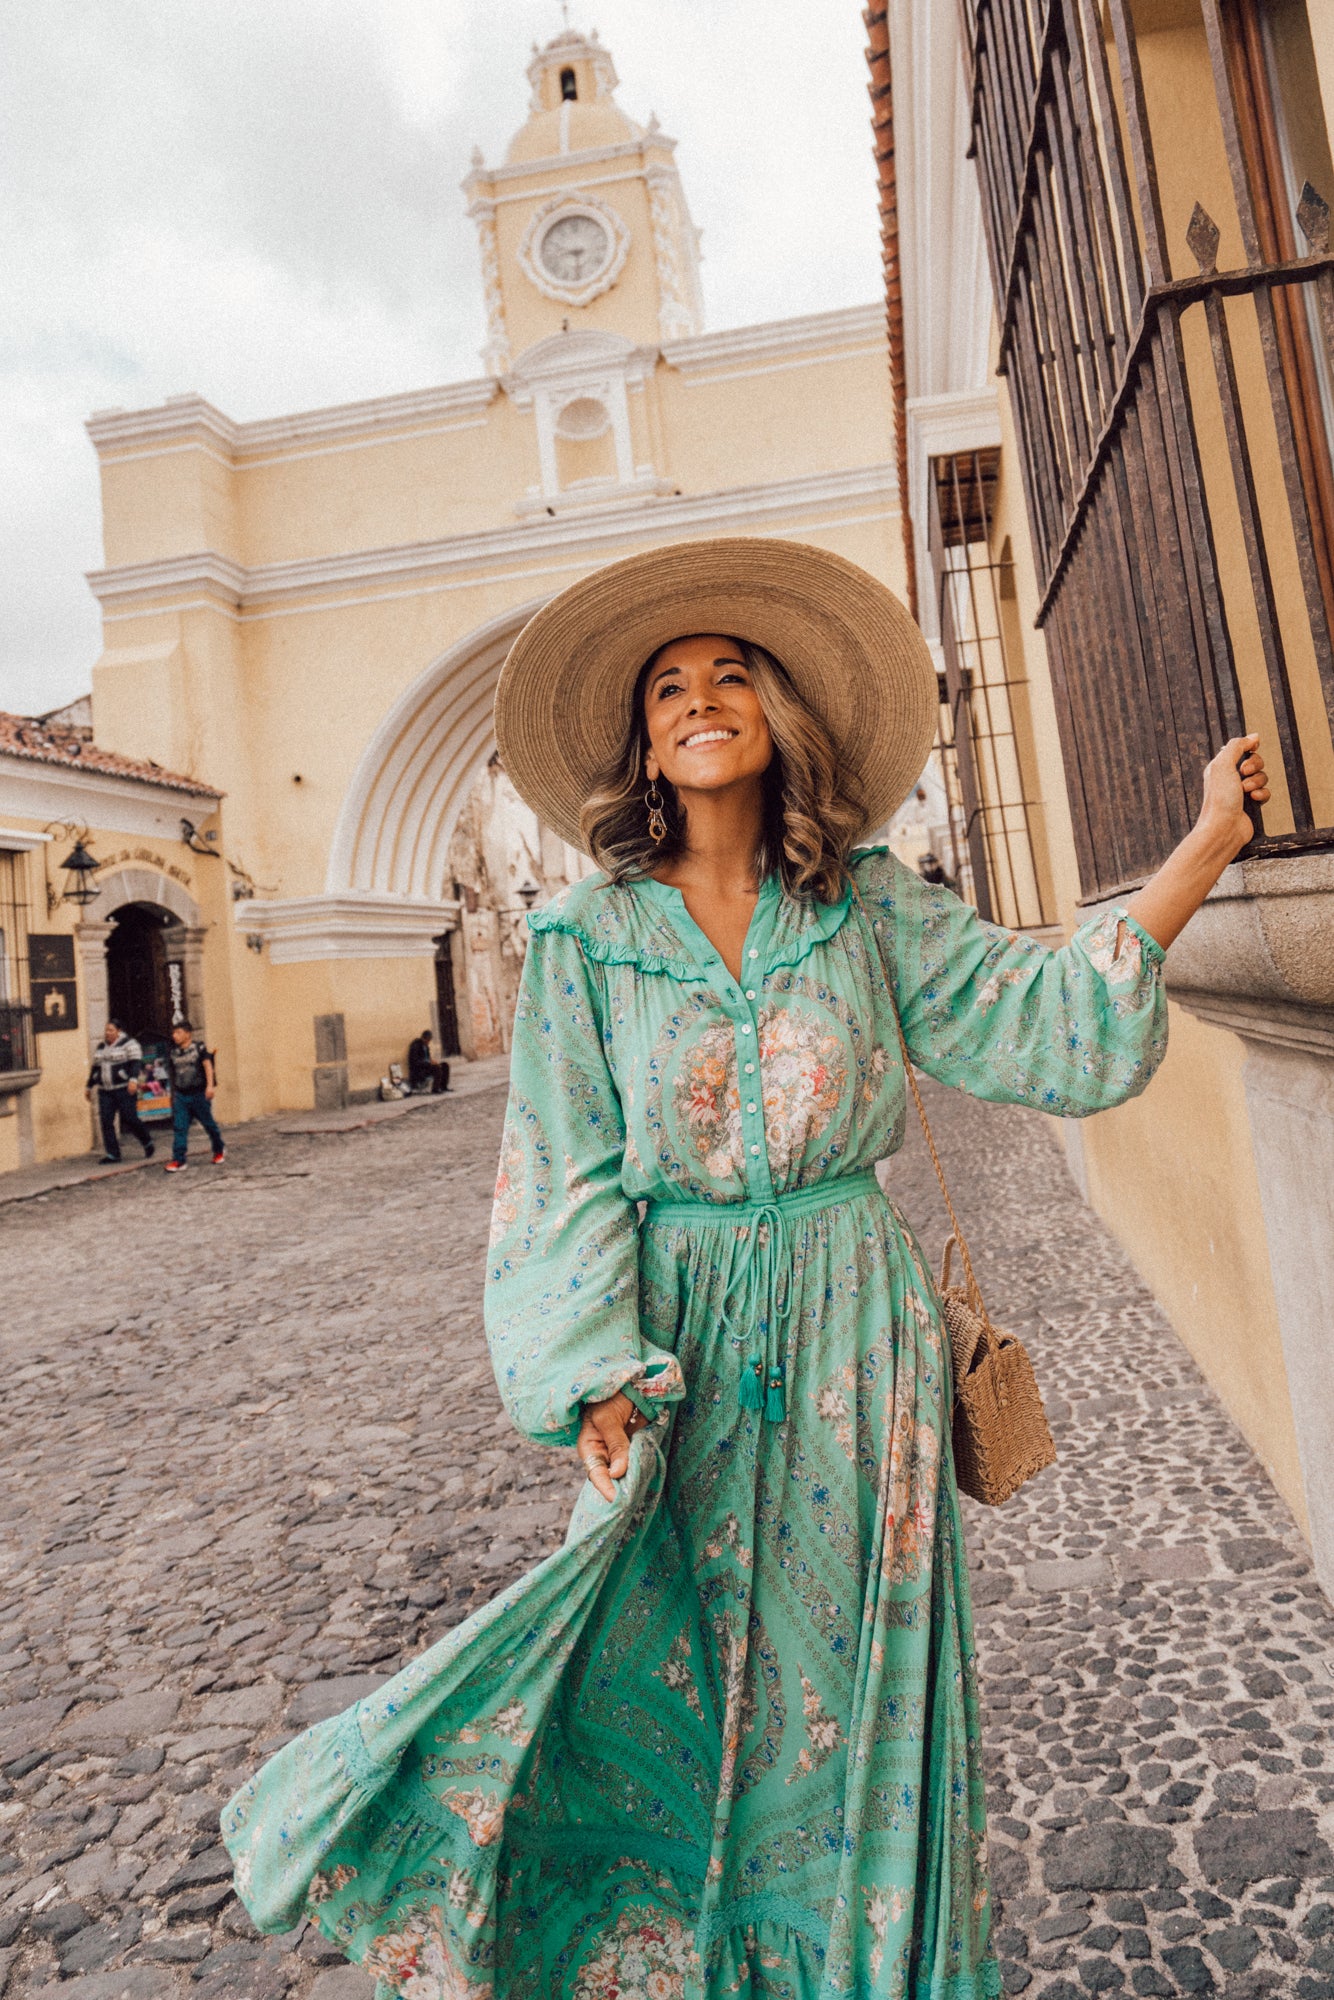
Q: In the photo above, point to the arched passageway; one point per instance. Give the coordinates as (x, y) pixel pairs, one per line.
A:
(141, 944)
(138, 983)
(400, 810)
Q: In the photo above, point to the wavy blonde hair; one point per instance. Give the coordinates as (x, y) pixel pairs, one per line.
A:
(812, 810)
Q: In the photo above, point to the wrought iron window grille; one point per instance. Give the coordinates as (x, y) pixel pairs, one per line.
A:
(985, 747)
(1173, 425)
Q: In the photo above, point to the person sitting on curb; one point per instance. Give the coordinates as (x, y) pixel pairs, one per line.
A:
(192, 1086)
(118, 1062)
(423, 1072)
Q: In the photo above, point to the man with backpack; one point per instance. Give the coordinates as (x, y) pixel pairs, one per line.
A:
(193, 1082)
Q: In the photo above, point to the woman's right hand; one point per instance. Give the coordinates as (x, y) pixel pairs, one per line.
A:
(604, 1441)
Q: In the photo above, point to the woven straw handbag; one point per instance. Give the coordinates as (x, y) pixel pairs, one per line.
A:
(1001, 1435)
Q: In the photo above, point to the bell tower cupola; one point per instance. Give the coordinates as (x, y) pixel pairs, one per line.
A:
(583, 227)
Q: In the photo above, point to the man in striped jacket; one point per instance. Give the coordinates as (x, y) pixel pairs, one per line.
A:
(117, 1064)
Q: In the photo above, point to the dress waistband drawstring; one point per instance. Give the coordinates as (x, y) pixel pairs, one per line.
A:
(760, 1288)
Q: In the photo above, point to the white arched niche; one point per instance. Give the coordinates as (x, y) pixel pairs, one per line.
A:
(385, 886)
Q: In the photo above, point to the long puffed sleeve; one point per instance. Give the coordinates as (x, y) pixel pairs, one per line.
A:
(1005, 1018)
(562, 1297)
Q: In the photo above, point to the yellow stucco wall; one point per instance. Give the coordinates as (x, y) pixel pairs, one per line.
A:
(1173, 1176)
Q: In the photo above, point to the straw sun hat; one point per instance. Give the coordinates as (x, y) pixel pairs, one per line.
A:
(850, 648)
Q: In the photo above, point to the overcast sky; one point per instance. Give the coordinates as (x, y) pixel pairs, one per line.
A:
(259, 200)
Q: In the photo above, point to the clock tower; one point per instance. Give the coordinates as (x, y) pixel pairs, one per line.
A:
(584, 228)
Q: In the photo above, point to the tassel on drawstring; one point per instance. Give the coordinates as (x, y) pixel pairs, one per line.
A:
(775, 1403)
(750, 1394)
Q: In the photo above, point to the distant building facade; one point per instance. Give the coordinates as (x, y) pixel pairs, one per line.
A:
(134, 950)
(308, 614)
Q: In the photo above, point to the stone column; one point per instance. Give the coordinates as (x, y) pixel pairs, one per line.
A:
(481, 931)
(190, 939)
(90, 941)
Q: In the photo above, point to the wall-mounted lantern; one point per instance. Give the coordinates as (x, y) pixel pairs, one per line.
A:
(78, 868)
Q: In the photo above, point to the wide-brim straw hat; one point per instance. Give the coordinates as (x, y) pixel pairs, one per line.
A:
(851, 650)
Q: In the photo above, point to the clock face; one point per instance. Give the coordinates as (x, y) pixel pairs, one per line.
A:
(574, 249)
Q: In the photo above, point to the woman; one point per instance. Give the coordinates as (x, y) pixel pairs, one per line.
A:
(725, 1741)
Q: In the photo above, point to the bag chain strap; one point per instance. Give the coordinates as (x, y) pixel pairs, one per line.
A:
(974, 1289)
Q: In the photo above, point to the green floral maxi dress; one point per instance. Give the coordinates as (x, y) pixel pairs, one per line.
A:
(725, 1740)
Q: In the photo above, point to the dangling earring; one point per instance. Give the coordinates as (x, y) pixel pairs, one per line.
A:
(657, 825)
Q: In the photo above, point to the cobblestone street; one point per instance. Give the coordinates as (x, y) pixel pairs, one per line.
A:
(252, 1457)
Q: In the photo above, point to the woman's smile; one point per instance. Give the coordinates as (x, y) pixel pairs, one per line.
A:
(701, 737)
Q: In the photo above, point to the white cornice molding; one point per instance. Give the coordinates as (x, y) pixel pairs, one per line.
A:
(18, 840)
(185, 420)
(31, 789)
(353, 924)
(947, 300)
(853, 327)
(162, 586)
(561, 358)
(967, 420)
(938, 427)
(481, 178)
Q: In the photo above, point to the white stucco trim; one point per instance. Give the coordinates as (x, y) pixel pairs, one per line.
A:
(191, 420)
(299, 929)
(947, 303)
(801, 525)
(141, 884)
(588, 156)
(141, 587)
(192, 423)
(30, 789)
(939, 426)
(16, 840)
(813, 335)
(398, 814)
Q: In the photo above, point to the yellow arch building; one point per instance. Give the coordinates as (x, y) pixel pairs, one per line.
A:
(307, 614)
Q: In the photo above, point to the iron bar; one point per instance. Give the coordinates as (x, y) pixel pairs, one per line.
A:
(1299, 476)
(1172, 295)
(1257, 558)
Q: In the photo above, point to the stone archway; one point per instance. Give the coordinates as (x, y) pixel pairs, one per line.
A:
(400, 810)
(184, 934)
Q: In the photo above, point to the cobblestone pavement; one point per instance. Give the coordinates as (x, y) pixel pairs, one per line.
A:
(252, 1457)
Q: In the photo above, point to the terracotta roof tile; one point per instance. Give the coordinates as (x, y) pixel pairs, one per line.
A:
(48, 742)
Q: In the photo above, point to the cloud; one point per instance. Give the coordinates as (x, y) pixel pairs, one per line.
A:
(261, 201)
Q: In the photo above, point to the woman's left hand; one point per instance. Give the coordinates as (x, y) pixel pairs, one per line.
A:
(1234, 776)
(604, 1441)
(1170, 898)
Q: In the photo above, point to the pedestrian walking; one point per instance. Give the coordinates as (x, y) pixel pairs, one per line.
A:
(725, 1741)
(193, 1083)
(424, 1073)
(932, 869)
(118, 1063)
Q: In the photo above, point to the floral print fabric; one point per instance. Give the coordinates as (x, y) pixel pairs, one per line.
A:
(725, 1740)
